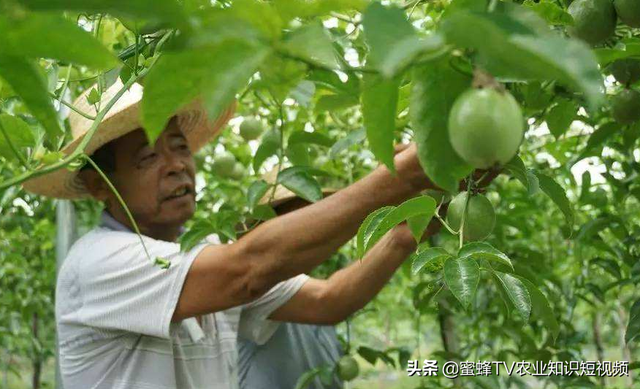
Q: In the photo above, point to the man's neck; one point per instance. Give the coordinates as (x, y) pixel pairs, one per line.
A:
(166, 233)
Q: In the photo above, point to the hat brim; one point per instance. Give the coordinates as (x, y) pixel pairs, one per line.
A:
(192, 120)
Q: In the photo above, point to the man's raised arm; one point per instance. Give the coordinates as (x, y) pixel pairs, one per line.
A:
(229, 275)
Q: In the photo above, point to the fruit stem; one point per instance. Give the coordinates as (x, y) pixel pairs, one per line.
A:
(444, 223)
(464, 211)
(120, 200)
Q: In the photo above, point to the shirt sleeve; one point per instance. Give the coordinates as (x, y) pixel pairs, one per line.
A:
(254, 322)
(123, 289)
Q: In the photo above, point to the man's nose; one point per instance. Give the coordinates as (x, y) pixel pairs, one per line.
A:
(174, 163)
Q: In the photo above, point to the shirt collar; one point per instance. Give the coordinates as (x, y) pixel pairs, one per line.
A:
(110, 222)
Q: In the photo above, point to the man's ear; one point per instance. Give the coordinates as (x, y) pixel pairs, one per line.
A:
(96, 186)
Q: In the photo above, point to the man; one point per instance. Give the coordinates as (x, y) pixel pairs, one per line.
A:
(294, 348)
(124, 322)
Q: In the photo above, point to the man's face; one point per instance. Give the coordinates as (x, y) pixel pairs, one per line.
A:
(157, 183)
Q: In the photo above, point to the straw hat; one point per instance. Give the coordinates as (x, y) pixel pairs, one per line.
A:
(282, 194)
(121, 119)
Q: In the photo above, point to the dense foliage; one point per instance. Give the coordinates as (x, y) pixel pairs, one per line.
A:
(324, 89)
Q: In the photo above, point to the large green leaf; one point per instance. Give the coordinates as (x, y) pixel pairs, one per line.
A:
(633, 329)
(301, 183)
(161, 10)
(540, 308)
(311, 43)
(213, 73)
(270, 144)
(64, 41)
(516, 168)
(19, 133)
(352, 138)
(462, 276)
(433, 258)
(561, 116)
(255, 192)
(27, 82)
(367, 227)
(551, 12)
(423, 205)
(483, 250)
(512, 49)
(435, 88)
(517, 293)
(392, 40)
(557, 194)
(379, 101)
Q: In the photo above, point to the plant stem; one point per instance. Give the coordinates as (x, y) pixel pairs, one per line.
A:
(80, 149)
(121, 201)
(71, 107)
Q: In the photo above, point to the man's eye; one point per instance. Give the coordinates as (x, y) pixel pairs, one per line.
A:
(148, 157)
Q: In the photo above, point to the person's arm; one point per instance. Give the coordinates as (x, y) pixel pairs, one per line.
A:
(229, 275)
(330, 301)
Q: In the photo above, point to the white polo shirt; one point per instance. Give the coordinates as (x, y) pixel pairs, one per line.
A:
(114, 309)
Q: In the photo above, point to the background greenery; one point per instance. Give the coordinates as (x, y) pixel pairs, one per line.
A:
(335, 83)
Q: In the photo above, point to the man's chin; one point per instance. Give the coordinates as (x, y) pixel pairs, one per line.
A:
(178, 213)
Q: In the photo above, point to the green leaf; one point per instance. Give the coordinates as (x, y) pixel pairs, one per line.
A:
(301, 183)
(633, 328)
(352, 138)
(303, 137)
(307, 378)
(269, 145)
(435, 88)
(194, 235)
(609, 265)
(255, 192)
(213, 73)
(511, 49)
(379, 102)
(418, 225)
(392, 40)
(516, 168)
(312, 43)
(483, 250)
(423, 205)
(561, 116)
(335, 102)
(540, 308)
(27, 82)
(517, 293)
(431, 257)
(20, 135)
(550, 12)
(598, 138)
(65, 41)
(263, 212)
(161, 10)
(557, 194)
(368, 226)
(462, 276)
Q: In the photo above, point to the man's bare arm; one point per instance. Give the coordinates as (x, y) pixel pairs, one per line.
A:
(294, 243)
(331, 301)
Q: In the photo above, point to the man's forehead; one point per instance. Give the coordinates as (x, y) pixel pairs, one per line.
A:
(138, 137)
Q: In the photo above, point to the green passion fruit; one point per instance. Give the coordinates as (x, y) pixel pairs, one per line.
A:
(594, 20)
(625, 106)
(224, 164)
(347, 368)
(486, 127)
(626, 71)
(480, 219)
(629, 12)
(250, 129)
